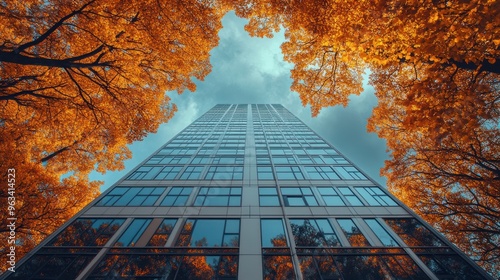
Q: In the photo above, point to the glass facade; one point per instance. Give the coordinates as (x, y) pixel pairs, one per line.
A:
(247, 191)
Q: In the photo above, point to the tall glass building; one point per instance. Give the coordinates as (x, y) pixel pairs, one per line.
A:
(246, 192)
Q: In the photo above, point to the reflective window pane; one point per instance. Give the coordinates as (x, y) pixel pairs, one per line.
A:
(158, 266)
(313, 233)
(207, 233)
(269, 200)
(273, 233)
(133, 232)
(298, 196)
(413, 232)
(352, 232)
(447, 266)
(375, 197)
(42, 266)
(219, 197)
(350, 197)
(277, 267)
(210, 233)
(87, 232)
(177, 196)
(162, 233)
(381, 233)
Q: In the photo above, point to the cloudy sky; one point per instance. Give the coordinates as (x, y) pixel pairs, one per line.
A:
(252, 70)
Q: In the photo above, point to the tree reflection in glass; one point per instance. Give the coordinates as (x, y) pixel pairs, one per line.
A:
(313, 233)
(87, 232)
(273, 233)
(161, 234)
(352, 232)
(169, 267)
(414, 233)
(210, 233)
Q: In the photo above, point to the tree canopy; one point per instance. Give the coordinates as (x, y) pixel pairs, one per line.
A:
(79, 80)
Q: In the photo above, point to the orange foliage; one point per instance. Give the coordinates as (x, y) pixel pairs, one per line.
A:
(445, 150)
(79, 80)
(42, 201)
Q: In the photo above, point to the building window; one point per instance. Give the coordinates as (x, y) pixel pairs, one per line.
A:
(162, 233)
(225, 173)
(305, 160)
(325, 151)
(382, 234)
(230, 151)
(349, 173)
(210, 233)
(219, 197)
(448, 266)
(192, 173)
(321, 173)
(313, 233)
(284, 160)
(351, 198)
(299, 151)
(200, 160)
(228, 160)
(375, 196)
(265, 173)
(54, 265)
(131, 196)
(273, 233)
(335, 160)
(280, 151)
(168, 160)
(87, 232)
(268, 197)
(177, 196)
(154, 160)
(168, 173)
(330, 196)
(289, 173)
(125, 264)
(263, 160)
(177, 151)
(145, 173)
(133, 233)
(261, 151)
(414, 233)
(388, 265)
(276, 259)
(298, 197)
(353, 234)
(206, 151)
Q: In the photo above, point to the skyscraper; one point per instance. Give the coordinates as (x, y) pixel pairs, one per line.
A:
(246, 192)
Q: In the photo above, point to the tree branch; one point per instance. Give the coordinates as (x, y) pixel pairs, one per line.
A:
(51, 29)
(64, 63)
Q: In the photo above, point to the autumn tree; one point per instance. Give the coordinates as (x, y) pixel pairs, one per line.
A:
(42, 200)
(435, 68)
(445, 152)
(79, 80)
